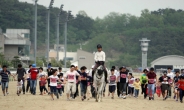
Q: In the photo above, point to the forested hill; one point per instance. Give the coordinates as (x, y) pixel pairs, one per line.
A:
(118, 33)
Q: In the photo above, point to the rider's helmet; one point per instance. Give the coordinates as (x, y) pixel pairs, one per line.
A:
(99, 46)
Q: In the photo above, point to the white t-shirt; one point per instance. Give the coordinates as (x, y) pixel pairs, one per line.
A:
(53, 80)
(19, 84)
(112, 80)
(71, 76)
(117, 74)
(27, 75)
(131, 82)
(171, 75)
(42, 73)
(100, 56)
(90, 72)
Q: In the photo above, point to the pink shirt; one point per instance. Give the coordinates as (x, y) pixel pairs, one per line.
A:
(71, 76)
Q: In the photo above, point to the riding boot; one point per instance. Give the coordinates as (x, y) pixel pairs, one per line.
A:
(93, 75)
(106, 76)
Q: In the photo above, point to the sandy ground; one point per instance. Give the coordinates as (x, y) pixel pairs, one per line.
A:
(37, 102)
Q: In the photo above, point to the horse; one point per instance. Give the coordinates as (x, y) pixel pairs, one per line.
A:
(99, 83)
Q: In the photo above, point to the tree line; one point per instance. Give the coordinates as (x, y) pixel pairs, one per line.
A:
(118, 33)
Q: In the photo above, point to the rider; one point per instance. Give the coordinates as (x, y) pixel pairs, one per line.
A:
(99, 60)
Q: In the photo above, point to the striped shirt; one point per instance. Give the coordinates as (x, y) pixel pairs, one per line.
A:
(5, 76)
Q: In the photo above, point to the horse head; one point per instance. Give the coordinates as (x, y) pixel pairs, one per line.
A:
(100, 70)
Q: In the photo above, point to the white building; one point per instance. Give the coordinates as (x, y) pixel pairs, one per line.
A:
(174, 61)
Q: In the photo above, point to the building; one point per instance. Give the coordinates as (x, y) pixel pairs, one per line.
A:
(85, 58)
(79, 58)
(15, 42)
(174, 61)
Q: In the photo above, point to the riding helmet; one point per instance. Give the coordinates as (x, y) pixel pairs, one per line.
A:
(99, 46)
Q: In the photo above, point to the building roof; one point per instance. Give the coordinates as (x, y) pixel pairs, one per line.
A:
(169, 58)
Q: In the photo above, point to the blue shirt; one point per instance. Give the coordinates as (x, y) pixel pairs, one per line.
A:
(84, 75)
(5, 76)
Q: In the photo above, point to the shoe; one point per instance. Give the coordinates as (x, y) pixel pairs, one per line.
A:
(152, 98)
(7, 93)
(120, 96)
(176, 100)
(174, 97)
(23, 92)
(84, 97)
(181, 101)
(149, 98)
(60, 94)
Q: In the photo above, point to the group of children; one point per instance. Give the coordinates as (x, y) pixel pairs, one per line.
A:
(126, 81)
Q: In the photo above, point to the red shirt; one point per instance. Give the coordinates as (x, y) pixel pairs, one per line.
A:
(151, 77)
(42, 81)
(33, 73)
(181, 84)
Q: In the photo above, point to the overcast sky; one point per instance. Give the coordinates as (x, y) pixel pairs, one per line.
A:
(100, 8)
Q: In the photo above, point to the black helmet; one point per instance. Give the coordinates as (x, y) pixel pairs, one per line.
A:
(99, 46)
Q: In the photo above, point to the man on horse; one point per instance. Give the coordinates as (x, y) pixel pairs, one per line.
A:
(99, 60)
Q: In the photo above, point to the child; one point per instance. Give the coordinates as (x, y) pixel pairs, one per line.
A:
(131, 80)
(43, 81)
(112, 83)
(181, 87)
(165, 87)
(89, 82)
(63, 85)
(59, 87)
(83, 83)
(158, 89)
(176, 89)
(137, 85)
(19, 86)
(53, 83)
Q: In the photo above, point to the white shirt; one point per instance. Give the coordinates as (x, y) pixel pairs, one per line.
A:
(53, 80)
(112, 80)
(71, 76)
(19, 84)
(117, 74)
(27, 74)
(171, 75)
(90, 72)
(131, 82)
(100, 56)
(42, 73)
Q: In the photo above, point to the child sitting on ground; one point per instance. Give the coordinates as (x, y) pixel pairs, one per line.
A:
(19, 86)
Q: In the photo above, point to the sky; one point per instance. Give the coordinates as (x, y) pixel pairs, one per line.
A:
(101, 8)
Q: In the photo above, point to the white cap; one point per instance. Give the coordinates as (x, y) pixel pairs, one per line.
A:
(92, 66)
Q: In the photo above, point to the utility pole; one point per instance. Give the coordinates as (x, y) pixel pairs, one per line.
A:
(57, 47)
(48, 29)
(35, 36)
(65, 33)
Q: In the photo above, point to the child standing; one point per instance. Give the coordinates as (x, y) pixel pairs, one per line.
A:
(176, 89)
(19, 86)
(181, 87)
(89, 82)
(59, 87)
(83, 83)
(43, 81)
(53, 83)
(137, 85)
(112, 83)
(131, 80)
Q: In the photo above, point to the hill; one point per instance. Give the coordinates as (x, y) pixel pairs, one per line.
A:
(118, 33)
